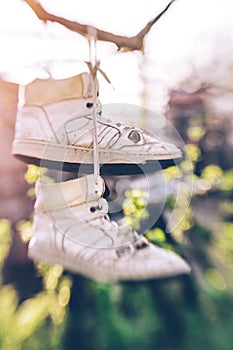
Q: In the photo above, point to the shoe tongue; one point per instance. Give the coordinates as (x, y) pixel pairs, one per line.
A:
(74, 192)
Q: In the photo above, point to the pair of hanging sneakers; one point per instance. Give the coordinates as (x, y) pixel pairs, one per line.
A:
(71, 226)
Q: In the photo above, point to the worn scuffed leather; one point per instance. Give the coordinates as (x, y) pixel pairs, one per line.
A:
(55, 122)
(68, 231)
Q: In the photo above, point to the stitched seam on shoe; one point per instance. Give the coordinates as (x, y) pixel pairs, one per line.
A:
(47, 119)
(50, 125)
(56, 233)
(141, 145)
(102, 135)
(85, 269)
(111, 143)
(60, 101)
(81, 254)
(82, 149)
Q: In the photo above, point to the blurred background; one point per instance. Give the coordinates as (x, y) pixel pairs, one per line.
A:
(185, 73)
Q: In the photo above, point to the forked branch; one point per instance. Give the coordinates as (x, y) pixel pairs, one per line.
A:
(122, 42)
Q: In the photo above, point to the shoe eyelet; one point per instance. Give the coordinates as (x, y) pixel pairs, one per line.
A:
(89, 104)
(134, 136)
(123, 252)
(141, 244)
(93, 209)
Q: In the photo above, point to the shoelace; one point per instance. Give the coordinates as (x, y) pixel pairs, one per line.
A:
(105, 217)
(93, 67)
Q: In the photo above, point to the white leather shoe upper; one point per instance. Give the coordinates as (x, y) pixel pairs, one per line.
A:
(66, 233)
(79, 212)
(56, 123)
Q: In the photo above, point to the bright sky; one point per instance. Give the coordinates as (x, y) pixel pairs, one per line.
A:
(189, 36)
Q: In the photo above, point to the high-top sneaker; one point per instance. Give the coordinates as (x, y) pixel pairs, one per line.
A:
(54, 124)
(71, 227)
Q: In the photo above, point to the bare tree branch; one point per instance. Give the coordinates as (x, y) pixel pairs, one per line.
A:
(147, 28)
(128, 43)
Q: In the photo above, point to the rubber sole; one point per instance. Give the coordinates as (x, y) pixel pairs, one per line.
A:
(105, 275)
(36, 254)
(79, 160)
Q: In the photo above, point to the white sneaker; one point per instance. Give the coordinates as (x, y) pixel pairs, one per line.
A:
(71, 228)
(55, 124)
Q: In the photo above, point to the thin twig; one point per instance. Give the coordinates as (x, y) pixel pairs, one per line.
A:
(129, 43)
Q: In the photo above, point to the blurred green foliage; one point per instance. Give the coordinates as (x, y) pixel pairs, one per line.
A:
(39, 319)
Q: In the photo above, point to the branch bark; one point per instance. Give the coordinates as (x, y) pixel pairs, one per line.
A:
(122, 42)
